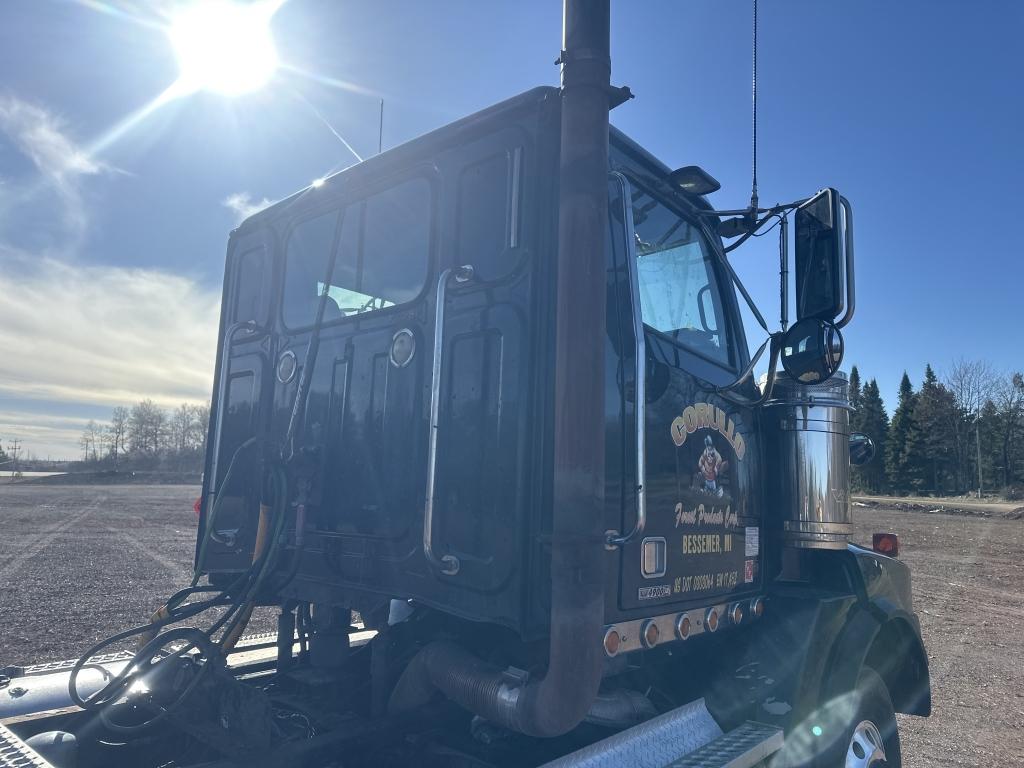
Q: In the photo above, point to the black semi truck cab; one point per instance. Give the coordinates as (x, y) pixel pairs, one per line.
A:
(427, 431)
(381, 473)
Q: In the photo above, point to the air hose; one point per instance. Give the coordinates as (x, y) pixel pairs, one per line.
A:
(245, 590)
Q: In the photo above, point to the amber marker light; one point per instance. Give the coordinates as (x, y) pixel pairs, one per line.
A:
(711, 619)
(612, 641)
(736, 613)
(887, 544)
(683, 626)
(650, 634)
(757, 607)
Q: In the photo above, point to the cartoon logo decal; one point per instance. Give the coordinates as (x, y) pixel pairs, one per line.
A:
(712, 461)
(707, 416)
(710, 464)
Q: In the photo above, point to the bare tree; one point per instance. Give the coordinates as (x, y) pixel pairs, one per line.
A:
(203, 426)
(180, 428)
(971, 382)
(147, 428)
(117, 432)
(1008, 397)
(89, 441)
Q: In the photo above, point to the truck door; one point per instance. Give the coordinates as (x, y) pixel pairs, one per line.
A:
(361, 428)
(237, 418)
(690, 528)
(420, 387)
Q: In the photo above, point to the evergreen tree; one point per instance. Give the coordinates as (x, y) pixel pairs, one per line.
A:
(856, 400)
(903, 452)
(991, 454)
(935, 413)
(873, 421)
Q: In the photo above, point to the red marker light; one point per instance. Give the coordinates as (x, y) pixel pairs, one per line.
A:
(198, 505)
(887, 544)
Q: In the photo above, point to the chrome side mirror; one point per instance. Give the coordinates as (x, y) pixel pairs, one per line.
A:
(811, 350)
(862, 449)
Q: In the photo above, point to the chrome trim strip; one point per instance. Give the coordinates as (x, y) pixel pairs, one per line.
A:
(517, 162)
(447, 564)
(640, 379)
(631, 633)
(851, 288)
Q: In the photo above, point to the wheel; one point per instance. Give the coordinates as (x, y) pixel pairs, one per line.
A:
(856, 729)
(872, 738)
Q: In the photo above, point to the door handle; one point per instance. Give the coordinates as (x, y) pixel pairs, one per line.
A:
(447, 564)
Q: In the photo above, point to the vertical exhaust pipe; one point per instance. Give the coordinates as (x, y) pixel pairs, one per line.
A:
(558, 701)
(562, 698)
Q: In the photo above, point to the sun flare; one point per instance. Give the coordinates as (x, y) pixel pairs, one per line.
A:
(223, 46)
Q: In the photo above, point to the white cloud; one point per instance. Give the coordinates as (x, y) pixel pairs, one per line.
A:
(43, 434)
(102, 336)
(89, 337)
(244, 206)
(41, 136)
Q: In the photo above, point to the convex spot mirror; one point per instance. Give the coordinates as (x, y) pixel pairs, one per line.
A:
(811, 350)
(820, 259)
(862, 449)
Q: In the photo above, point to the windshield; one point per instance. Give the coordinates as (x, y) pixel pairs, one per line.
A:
(679, 292)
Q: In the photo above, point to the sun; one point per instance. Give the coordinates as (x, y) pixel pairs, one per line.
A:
(224, 46)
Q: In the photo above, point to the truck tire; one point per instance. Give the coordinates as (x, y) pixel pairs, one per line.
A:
(872, 740)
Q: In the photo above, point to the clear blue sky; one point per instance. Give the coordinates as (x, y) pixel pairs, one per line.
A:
(112, 241)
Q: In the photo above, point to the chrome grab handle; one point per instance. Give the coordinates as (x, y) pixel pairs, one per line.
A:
(851, 287)
(447, 564)
(615, 539)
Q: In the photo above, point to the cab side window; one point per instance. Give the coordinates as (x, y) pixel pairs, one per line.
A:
(249, 289)
(486, 222)
(680, 296)
(383, 253)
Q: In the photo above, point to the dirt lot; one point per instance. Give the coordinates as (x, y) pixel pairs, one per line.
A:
(79, 563)
(969, 594)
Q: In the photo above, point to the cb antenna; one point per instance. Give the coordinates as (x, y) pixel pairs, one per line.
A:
(753, 187)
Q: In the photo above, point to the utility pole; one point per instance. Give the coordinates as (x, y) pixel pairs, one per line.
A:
(15, 448)
(977, 437)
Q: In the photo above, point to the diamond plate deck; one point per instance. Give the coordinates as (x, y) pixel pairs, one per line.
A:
(741, 747)
(15, 753)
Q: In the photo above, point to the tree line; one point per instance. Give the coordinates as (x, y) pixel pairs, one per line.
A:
(953, 435)
(147, 436)
(959, 434)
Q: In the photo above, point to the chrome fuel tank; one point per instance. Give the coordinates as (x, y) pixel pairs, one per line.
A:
(807, 430)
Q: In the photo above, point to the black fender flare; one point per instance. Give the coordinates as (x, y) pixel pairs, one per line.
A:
(887, 638)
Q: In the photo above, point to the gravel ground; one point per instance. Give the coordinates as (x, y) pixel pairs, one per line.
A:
(968, 578)
(79, 563)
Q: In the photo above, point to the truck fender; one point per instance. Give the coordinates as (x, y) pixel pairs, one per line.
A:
(886, 638)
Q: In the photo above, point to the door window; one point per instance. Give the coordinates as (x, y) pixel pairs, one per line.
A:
(679, 292)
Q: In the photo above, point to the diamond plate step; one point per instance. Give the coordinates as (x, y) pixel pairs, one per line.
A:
(741, 747)
(15, 753)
